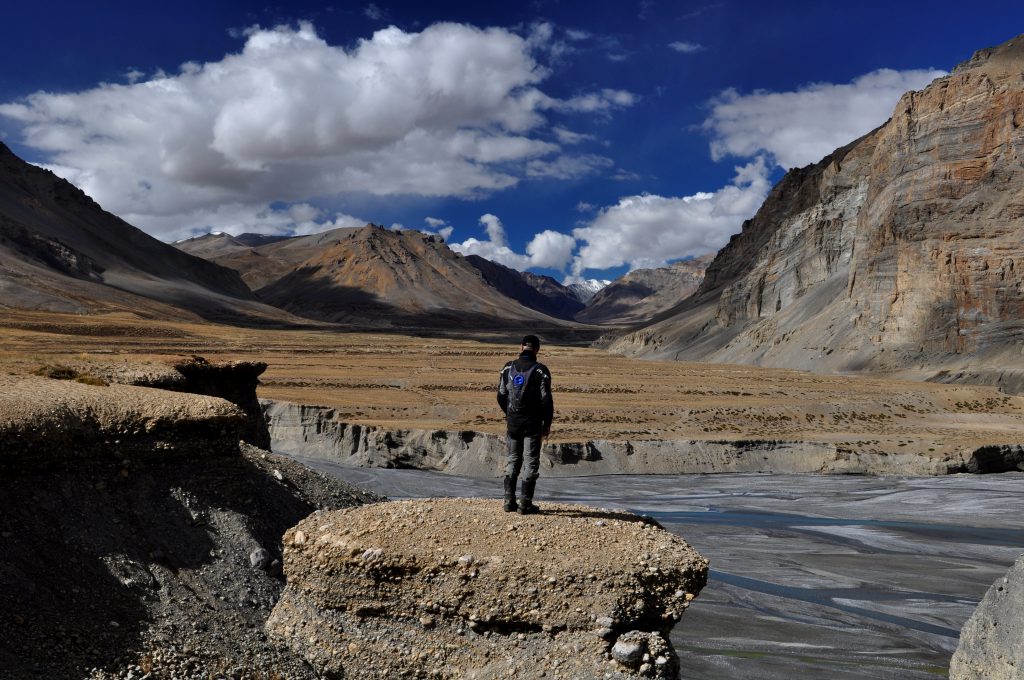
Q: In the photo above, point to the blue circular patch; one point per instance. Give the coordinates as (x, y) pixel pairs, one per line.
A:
(518, 380)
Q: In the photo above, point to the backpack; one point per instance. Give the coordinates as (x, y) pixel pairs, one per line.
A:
(517, 382)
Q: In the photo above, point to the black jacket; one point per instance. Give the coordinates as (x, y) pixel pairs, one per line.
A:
(538, 408)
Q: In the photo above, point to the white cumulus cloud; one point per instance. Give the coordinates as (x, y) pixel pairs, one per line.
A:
(238, 218)
(548, 249)
(453, 110)
(648, 230)
(805, 125)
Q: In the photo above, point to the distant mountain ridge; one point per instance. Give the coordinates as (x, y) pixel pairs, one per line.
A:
(642, 294)
(380, 277)
(258, 258)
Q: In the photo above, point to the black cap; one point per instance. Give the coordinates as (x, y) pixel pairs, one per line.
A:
(531, 341)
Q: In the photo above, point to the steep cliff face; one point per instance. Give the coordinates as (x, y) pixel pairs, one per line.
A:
(903, 249)
(939, 244)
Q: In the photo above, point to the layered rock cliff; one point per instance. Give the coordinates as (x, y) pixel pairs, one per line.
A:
(456, 588)
(901, 250)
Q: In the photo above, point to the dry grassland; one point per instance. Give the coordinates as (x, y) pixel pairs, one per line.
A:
(410, 382)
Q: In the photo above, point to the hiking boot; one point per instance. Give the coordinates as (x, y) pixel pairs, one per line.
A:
(510, 494)
(526, 507)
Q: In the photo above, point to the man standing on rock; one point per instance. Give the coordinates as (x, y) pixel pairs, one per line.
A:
(524, 394)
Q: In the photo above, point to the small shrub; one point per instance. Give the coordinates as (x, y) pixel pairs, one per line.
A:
(89, 379)
(56, 371)
(61, 372)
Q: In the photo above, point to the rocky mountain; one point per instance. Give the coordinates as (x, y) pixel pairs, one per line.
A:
(642, 294)
(535, 291)
(586, 289)
(60, 251)
(264, 262)
(394, 278)
(261, 259)
(902, 250)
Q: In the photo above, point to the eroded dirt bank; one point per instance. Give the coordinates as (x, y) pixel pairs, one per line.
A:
(318, 432)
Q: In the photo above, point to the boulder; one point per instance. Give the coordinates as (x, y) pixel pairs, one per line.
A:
(992, 641)
(457, 588)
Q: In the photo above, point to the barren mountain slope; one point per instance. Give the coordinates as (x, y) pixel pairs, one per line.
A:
(904, 249)
(642, 294)
(60, 250)
(387, 278)
(259, 259)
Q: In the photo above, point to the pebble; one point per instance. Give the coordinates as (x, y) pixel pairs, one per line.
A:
(259, 558)
(627, 653)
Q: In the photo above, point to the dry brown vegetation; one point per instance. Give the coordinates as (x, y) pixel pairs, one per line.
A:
(414, 382)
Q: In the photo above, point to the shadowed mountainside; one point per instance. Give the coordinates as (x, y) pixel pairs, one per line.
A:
(60, 251)
(535, 291)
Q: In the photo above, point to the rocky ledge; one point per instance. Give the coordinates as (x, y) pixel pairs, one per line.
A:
(449, 588)
(992, 641)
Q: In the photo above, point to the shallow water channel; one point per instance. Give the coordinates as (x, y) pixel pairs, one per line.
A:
(818, 577)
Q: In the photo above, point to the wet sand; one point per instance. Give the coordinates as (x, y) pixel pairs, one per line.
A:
(820, 577)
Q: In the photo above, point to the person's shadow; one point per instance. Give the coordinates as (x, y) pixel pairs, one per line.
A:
(596, 514)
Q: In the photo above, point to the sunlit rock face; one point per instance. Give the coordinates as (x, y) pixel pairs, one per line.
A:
(903, 249)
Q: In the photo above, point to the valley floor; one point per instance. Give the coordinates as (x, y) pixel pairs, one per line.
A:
(404, 381)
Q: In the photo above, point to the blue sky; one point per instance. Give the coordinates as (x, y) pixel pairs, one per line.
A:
(571, 138)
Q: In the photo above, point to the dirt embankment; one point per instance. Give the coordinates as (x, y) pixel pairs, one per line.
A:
(317, 432)
(139, 535)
